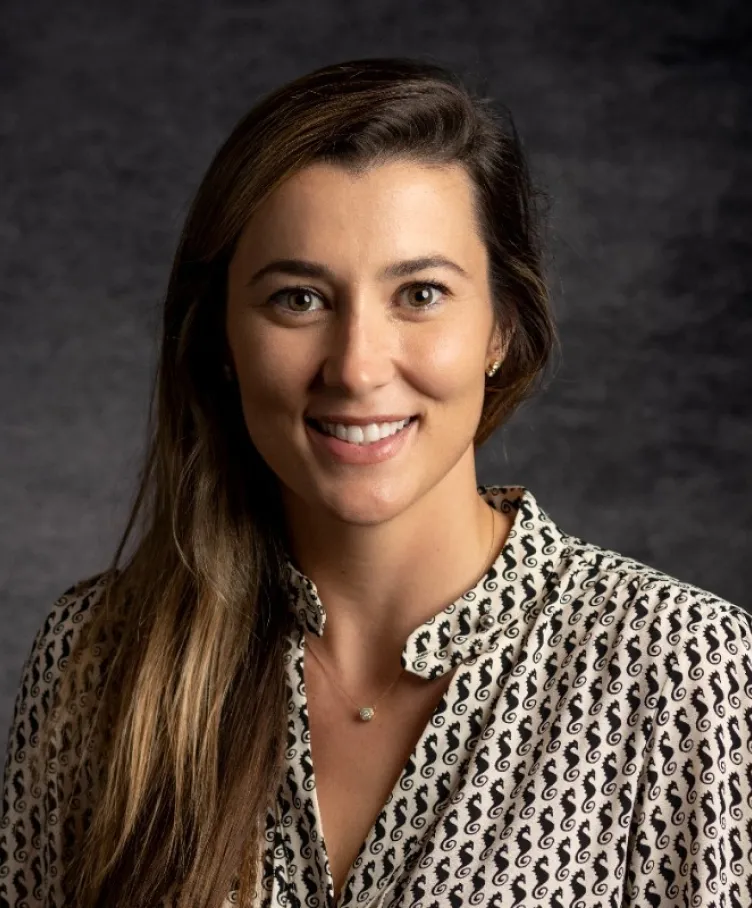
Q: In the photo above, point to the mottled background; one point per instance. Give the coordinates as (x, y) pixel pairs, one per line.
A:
(637, 119)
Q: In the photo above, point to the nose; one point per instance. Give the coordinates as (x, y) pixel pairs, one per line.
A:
(361, 347)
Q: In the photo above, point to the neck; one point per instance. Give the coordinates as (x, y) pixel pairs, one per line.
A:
(380, 581)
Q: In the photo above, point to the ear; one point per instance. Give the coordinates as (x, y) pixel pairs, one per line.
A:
(498, 346)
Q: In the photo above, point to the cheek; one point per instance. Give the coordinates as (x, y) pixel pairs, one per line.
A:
(269, 413)
(270, 373)
(451, 362)
(270, 402)
(271, 395)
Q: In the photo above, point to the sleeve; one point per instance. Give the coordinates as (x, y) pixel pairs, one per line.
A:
(690, 841)
(37, 787)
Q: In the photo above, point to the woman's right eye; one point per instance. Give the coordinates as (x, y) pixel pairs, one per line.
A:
(304, 297)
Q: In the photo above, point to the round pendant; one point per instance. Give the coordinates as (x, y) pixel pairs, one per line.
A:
(366, 713)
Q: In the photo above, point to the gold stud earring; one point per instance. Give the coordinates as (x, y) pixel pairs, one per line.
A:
(493, 369)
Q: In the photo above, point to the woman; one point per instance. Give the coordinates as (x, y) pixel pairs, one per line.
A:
(334, 670)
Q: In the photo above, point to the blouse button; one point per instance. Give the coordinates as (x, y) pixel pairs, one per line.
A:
(487, 621)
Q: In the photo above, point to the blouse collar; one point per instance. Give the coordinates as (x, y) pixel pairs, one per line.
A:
(496, 607)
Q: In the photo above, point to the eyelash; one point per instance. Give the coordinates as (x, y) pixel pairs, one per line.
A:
(435, 285)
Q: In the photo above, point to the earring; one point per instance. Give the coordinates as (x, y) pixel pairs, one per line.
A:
(228, 372)
(494, 367)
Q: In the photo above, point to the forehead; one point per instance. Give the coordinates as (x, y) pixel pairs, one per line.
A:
(392, 209)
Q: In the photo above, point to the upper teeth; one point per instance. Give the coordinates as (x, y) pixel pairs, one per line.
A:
(359, 435)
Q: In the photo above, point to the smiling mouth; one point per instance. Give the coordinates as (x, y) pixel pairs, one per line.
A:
(319, 427)
(316, 424)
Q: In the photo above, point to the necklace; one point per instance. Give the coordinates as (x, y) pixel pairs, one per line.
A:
(366, 713)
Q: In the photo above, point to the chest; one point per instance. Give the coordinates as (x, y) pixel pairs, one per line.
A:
(357, 764)
(521, 788)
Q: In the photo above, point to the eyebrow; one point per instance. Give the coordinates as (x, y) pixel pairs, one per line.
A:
(303, 268)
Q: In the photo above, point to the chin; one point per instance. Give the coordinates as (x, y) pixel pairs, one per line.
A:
(360, 499)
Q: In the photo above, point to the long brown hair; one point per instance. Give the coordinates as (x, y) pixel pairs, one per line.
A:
(192, 708)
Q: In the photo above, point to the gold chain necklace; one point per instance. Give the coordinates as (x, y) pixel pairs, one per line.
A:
(366, 713)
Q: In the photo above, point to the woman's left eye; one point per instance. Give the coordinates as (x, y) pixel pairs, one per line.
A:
(423, 287)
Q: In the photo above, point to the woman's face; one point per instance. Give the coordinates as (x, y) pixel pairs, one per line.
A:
(320, 322)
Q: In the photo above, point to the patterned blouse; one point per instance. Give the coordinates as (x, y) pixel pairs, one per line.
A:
(593, 749)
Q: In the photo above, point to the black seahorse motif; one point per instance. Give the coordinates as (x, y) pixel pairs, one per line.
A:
(525, 734)
(569, 809)
(588, 804)
(571, 755)
(547, 827)
(606, 820)
(593, 754)
(519, 893)
(465, 854)
(602, 873)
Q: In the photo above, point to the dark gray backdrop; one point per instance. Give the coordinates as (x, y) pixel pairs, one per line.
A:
(637, 119)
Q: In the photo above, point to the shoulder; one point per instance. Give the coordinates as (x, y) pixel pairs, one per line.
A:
(53, 645)
(643, 581)
(62, 627)
(658, 612)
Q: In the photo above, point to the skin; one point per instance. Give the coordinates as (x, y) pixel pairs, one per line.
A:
(391, 544)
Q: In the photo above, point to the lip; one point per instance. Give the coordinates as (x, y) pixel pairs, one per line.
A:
(332, 448)
(359, 420)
